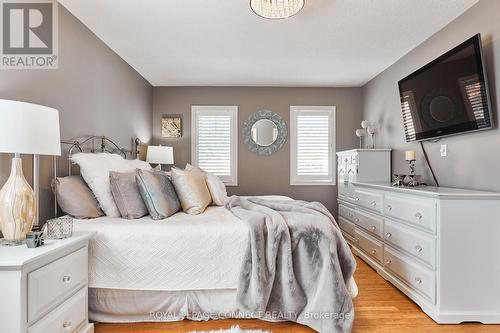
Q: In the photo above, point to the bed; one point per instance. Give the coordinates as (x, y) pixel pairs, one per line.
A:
(258, 253)
(182, 267)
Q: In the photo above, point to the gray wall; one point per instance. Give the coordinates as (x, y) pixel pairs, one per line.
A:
(260, 174)
(95, 91)
(473, 159)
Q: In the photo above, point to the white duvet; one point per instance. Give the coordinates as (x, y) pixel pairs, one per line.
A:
(182, 252)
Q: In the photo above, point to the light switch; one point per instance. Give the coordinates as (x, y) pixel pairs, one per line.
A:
(444, 150)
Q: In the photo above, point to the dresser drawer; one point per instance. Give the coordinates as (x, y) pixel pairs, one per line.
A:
(370, 222)
(53, 282)
(411, 273)
(370, 245)
(369, 200)
(416, 211)
(417, 244)
(67, 317)
(346, 212)
(347, 226)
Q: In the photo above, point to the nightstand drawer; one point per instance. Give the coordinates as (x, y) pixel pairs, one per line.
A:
(66, 318)
(53, 282)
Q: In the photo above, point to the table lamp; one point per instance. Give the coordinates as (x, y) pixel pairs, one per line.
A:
(25, 128)
(160, 155)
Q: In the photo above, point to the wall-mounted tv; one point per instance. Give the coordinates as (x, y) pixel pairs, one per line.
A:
(447, 96)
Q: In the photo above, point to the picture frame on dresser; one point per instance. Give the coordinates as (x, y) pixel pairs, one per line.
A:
(45, 289)
(438, 245)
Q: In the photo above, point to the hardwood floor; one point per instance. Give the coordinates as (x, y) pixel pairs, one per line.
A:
(379, 308)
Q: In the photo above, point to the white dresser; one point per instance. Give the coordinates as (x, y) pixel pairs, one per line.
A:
(440, 246)
(45, 289)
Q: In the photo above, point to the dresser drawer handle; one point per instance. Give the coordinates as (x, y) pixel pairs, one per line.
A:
(66, 325)
(388, 235)
(356, 240)
(418, 216)
(66, 278)
(418, 280)
(374, 251)
(373, 203)
(374, 228)
(418, 248)
(356, 199)
(356, 220)
(388, 262)
(389, 208)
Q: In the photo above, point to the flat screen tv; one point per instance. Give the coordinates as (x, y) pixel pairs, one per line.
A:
(447, 96)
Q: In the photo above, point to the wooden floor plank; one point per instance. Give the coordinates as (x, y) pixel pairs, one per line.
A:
(379, 308)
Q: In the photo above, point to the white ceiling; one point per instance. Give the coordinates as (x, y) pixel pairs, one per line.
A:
(223, 43)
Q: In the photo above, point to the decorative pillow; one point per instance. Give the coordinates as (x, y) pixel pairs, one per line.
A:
(191, 187)
(95, 170)
(215, 185)
(126, 194)
(158, 193)
(75, 198)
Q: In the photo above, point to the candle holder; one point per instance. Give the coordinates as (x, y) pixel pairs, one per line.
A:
(413, 181)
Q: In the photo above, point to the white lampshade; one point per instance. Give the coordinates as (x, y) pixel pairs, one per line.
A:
(27, 128)
(160, 155)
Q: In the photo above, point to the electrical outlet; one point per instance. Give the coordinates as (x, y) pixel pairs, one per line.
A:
(444, 150)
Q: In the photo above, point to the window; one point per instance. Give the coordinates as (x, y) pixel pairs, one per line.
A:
(214, 138)
(312, 142)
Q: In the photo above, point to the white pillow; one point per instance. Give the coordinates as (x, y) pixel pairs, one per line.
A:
(215, 185)
(95, 169)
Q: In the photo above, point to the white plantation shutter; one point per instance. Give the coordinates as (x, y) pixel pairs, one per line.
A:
(312, 145)
(214, 141)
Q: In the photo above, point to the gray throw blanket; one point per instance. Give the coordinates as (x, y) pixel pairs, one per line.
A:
(297, 265)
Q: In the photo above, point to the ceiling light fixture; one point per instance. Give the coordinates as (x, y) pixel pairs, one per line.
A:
(276, 9)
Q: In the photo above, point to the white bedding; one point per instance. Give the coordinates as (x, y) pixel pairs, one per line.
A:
(182, 252)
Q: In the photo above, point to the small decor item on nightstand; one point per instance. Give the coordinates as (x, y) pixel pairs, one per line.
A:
(59, 228)
(34, 239)
(360, 133)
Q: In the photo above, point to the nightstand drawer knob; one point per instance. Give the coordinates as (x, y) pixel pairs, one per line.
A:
(66, 325)
(66, 278)
(418, 216)
(373, 203)
(388, 262)
(388, 235)
(418, 248)
(418, 280)
(374, 228)
(374, 252)
(389, 208)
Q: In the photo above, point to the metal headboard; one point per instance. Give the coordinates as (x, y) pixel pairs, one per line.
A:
(91, 144)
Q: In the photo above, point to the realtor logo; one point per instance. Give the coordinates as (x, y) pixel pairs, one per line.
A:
(28, 34)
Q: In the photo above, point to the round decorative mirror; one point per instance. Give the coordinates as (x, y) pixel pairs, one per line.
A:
(264, 132)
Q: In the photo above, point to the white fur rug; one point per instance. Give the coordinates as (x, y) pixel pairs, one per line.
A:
(234, 329)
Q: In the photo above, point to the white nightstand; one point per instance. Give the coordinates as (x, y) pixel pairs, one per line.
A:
(45, 289)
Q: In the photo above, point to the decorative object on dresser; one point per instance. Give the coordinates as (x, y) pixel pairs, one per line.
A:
(410, 157)
(264, 132)
(419, 240)
(26, 129)
(275, 10)
(59, 227)
(160, 155)
(360, 133)
(45, 289)
(171, 126)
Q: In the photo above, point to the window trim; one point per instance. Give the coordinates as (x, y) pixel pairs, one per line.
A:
(217, 109)
(296, 180)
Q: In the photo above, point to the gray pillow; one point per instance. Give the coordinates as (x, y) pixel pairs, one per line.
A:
(126, 194)
(75, 198)
(158, 193)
